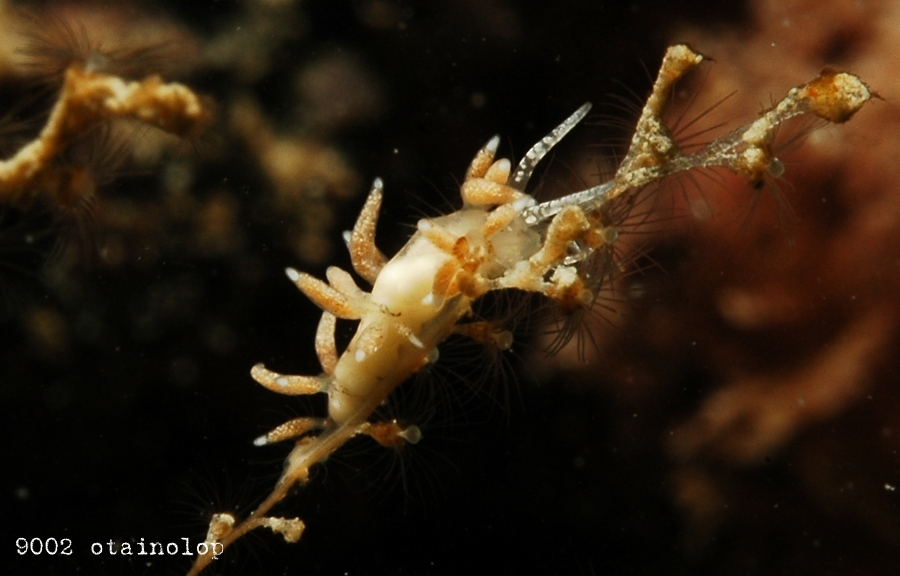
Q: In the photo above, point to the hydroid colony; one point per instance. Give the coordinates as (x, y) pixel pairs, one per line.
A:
(501, 239)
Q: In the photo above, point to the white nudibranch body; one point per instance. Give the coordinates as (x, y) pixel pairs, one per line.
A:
(412, 315)
(425, 293)
(502, 239)
(390, 343)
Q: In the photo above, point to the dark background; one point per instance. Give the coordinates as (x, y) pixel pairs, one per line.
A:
(142, 425)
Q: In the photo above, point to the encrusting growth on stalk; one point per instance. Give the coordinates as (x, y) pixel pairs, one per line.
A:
(500, 239)
(88, 99)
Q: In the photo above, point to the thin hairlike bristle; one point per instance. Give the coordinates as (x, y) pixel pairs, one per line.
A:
(27, 239)
(53, 43)
(110, 151)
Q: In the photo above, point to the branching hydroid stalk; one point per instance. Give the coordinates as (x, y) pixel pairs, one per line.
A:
(500, 239)
(88, 99)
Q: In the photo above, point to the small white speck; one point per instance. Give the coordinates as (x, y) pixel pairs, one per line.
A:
(522, 203)
(890, 487)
